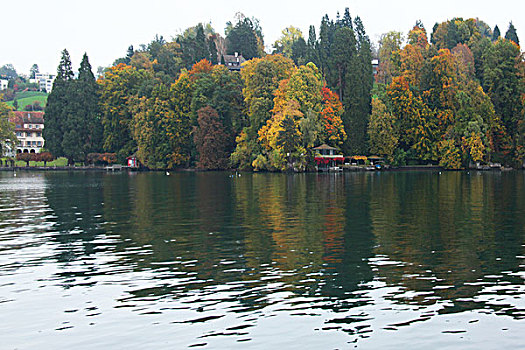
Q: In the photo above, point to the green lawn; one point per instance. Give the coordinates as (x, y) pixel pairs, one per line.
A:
(57, 162)
(28, 97)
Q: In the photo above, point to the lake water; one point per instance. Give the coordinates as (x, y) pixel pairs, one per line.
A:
(262, 261)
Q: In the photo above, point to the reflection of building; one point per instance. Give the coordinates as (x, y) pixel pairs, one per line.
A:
(28, 130)
(375, 66)
(233, 62)
(44, 81)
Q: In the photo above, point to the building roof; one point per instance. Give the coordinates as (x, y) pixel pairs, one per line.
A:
(233, 62)
(324, 146)
(28, 117)
(19, 118)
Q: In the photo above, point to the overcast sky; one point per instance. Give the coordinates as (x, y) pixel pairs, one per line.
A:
(36, 31)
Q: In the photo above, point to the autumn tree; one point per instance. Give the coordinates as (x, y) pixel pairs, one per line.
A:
(332, 132)
(281, 137)
(211, 140)
(178, 124)
(261, 78)
(217, 87)
(382, 131)
(118, 88)
(389, 45)
(7, 136)
(284, 45)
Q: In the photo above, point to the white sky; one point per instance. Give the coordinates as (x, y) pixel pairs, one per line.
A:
(36, 31)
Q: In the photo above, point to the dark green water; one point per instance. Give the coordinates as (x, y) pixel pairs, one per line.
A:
(262, 261)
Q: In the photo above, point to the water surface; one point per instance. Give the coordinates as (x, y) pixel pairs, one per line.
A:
(314, 261)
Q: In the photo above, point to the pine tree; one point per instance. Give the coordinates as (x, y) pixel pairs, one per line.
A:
(86, 89)
(496, 33)
(357, 96)
(243, 39)
(326, 36)
(512, 35)
(201, 47)
(312, 53)
(129, 54)
(58, 106)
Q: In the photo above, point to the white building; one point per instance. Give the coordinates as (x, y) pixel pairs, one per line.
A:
(3, 84)
(28, 130)
(44, 81)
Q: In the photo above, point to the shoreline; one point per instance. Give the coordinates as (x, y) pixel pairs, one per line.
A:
(346, 170)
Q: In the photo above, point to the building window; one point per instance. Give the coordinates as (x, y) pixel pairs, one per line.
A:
(39, 134)
(18, 134)
(39, 143)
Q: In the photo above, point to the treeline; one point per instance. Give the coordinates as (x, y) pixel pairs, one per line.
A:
(174, 104)
(455, 99)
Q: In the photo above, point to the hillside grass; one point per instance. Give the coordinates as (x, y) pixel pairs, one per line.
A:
(28, 98)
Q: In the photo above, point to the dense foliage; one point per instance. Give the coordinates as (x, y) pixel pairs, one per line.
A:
(453, 100)
(72, 119)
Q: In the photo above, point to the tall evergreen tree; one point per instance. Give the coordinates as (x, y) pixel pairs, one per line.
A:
(299, 51)
(129, 54)
(496, 33)
(58, 106)
(243, 39)
(88, 112)
(511, 34)
(312, 53)
(357, 95)
(326, 36)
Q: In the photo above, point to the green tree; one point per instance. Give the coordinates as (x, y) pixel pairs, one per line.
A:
(312, 51)
(511, 34)
(148, 127)
(501, 80)
(357, 98)
(382, 131)
(284, 45)
(59, 107)
(8, 139)
(243, 38)
(8, 71)
(178, 125)
(86, 116)
(118, 88)
(496, 34)
(32, 72)
(389, 44)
